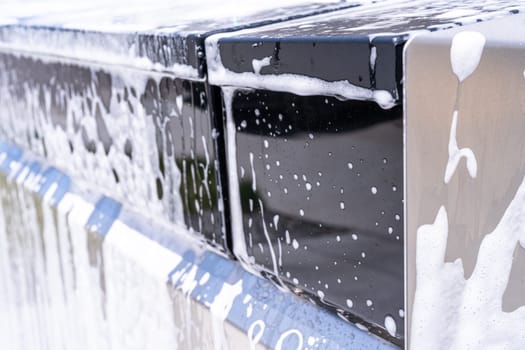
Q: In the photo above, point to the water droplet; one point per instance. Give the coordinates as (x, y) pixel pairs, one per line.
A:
(311, 136)
(244, 124)
(342, 205)
(401, 313)
(266, 143)
(397, 217)
(385, 160)
(301, 212)
(354, 236)
(373, 189)
(295, 281)
(363, 255)
(311, 341)
(369, 302)
(349, 303)
(308, 186)
(350, 166)
(394, 188)
(257, 112)
(338, 238)
(295, 244)
(390, 230)
(320, 294)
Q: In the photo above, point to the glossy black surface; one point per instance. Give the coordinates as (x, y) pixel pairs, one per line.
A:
(362, 45)
(321, 186)
(173, 117)
(160, 32)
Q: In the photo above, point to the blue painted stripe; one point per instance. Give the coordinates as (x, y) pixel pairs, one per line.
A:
(279, 311)
(48, 177)
(12, 154)
(104, 215)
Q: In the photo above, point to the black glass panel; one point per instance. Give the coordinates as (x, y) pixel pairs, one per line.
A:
(321, 186)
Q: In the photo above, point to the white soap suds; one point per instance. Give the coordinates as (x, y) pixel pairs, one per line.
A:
(298, 335)
(361, 327)
(455, 154)
(254, 339)
(239, 240)
(254, 179)
(450, 312)
(455, 13)
(258, 64)
(373, 57)
(111, 284)
(390, 325)
(276, 222)
(465, 53)
(130, 177)
(296, 84)
(220, 308)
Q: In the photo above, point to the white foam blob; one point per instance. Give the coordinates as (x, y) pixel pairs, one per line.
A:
(455, 154)
(465, 53)
(259, 64)
(390, 325)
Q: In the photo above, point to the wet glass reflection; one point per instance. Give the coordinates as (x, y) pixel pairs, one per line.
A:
(321, 186)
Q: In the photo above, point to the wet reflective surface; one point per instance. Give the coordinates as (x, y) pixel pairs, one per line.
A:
(321, 186)
(145, 138)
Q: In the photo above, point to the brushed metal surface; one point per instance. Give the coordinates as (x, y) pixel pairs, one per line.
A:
(491, 105)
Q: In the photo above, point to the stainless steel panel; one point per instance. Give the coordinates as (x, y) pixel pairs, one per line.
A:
(490, 105)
